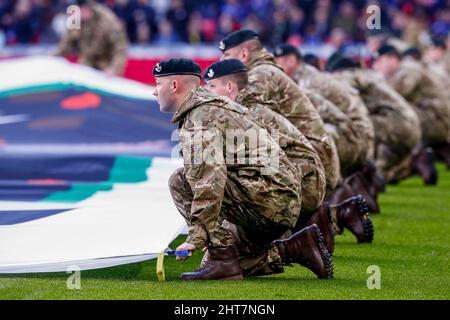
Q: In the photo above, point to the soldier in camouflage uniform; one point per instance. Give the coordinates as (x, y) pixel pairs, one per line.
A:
(397, 127)
(101, 42)
(234, 194)
(268, 81)
(298, 149)
(410, 79)
(351, 127)
(229, 78)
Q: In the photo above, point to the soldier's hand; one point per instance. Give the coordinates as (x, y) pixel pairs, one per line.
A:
(185, 246)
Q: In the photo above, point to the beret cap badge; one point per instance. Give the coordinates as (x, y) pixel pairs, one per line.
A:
(210, 73)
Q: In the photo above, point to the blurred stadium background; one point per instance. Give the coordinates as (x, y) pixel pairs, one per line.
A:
(156, 27)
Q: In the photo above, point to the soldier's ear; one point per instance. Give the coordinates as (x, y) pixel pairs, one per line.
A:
(229, 86)
(174, 85)
(245, 54)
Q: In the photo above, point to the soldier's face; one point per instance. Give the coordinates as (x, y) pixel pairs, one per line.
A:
(387, 65)
(288, 63)
(236, 53)
(217, 86)
(164, 93)
(434, 54)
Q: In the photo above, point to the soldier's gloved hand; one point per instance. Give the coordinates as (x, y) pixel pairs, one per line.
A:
(185, 246)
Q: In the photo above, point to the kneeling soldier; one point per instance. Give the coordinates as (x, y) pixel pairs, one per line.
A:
(229, 78)
(235, 205)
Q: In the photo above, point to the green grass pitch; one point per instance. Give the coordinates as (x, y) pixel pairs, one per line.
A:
(411, 248)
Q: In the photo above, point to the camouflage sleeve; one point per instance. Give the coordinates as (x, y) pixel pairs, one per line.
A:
(405, 82)
(68, 43)
(207, 176)
(119, 51)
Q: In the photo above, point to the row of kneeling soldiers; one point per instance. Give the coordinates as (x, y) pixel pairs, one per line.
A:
(327, 142)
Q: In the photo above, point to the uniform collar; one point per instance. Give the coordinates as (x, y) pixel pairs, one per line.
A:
(202, 96)
(262, 57)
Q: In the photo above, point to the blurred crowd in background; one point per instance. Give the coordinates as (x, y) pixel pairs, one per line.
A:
(336, 22)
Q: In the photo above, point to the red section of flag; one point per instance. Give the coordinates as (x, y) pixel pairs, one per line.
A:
(47, 181)
(86, 100)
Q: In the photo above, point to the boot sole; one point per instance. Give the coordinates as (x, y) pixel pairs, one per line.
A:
(235, 277)
(326, 257)
(366, 221)
(333, 232)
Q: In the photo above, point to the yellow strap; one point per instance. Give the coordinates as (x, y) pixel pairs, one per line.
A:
(160, 267)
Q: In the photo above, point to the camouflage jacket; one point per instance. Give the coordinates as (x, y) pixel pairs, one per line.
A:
(390, 112)
(446, 61)
(270, 82)
(101, 42)
(341, 95)
(291, 140)
(423, 92)
(208, 127)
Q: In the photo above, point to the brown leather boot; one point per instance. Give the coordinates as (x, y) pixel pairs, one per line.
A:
(321, 217)
(423, 164)
(359, 186)
(307, 248)
(221, 264)
(375, 181)
(353, 215)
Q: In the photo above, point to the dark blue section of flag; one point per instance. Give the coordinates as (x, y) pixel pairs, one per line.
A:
(16, 217)
(35, 177)
(115, 119)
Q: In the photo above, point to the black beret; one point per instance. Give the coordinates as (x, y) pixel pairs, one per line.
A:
(413, 52)
(340, 62)
(378, 32)
(334, 56)
(387, 49)
(286, 49)
(438, 42)
(223, 68)
(177, 66)
(312, 59)
(81, 2)
(236, 38)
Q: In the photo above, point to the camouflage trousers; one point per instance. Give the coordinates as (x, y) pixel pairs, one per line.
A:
(243, 223)
(329, 156)
(313, 183)
(435, 125)
(395, 140)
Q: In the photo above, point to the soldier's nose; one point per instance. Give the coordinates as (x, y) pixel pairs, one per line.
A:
(155, 93)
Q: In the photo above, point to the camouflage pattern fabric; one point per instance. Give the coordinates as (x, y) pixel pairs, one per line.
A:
(296, 146)
(427, 98)
(356, 137)
(262, 197)
(101, 42)
(397, 127)
(282, 95)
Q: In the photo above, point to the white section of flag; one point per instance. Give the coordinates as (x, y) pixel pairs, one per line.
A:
(132, 222)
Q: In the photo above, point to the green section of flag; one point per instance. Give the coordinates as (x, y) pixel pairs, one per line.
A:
(57, 86)
(125, 170)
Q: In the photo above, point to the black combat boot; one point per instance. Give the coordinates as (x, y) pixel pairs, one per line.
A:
(423, 164)
(307, 248)
(321, 217)
(352, 214)
(221, 264)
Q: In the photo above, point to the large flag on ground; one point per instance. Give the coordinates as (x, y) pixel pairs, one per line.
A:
(85, 160)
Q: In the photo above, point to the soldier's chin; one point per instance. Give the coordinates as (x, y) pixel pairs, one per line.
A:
(164, 108)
